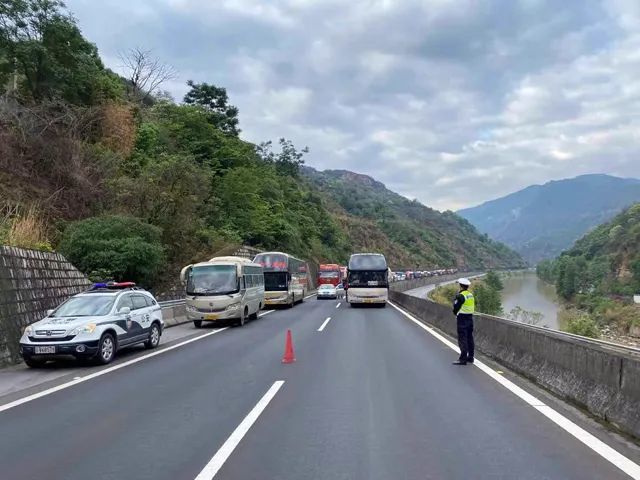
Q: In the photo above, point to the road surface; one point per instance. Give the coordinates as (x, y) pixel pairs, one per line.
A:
(372, 395)
(421, 292)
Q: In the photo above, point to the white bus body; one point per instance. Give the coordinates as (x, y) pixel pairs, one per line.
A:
(223, 290)
(368, 279)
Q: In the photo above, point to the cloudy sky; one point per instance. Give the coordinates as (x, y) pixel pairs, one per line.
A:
(452, 102)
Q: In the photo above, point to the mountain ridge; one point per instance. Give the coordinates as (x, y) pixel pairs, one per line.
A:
(426, 237)
(540, 221)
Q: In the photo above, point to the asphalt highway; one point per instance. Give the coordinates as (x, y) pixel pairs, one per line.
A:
(371, 395)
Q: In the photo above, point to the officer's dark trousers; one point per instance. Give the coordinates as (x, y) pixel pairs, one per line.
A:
(465, 337)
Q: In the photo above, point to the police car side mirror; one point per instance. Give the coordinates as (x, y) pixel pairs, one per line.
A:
(124, 311)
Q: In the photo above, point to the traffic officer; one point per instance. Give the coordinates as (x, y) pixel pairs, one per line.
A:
(464, 307)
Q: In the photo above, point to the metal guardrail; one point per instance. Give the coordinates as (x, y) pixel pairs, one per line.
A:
(171, 303)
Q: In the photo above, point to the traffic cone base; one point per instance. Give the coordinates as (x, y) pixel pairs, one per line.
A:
(289, 355)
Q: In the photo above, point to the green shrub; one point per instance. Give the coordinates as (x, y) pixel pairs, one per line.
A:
(445, 294)
(579, 323)
(493, 280)
(488, 299)
(119, 247)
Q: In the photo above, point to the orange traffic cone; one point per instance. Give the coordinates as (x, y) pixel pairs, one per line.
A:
(289, 356)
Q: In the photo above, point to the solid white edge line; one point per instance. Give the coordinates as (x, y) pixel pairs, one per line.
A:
(91, 376)
(309, 296)
(324, 324)
(605, 451)
(217, 461)
(266, 312)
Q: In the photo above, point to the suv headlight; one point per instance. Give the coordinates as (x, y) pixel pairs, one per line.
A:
(29, 330)
(88, 328)
(191, 308)
(233, 306)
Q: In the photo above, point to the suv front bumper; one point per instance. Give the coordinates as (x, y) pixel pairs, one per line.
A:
(77, 349)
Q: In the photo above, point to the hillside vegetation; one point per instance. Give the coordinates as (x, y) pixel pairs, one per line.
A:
(541, 221)
(409, 232)
(601, 273)
(110, 170)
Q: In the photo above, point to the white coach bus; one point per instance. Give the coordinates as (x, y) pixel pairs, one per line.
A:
(223, 290)
(367, 279)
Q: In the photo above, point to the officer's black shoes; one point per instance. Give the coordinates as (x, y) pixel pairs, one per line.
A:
(460, 362)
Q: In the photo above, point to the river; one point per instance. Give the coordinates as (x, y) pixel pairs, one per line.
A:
(526, 290)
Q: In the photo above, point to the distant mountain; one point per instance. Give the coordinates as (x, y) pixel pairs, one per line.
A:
(409, 233)
(541, 221)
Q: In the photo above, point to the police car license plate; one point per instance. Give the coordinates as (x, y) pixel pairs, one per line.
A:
(211, 316)
(44, 350)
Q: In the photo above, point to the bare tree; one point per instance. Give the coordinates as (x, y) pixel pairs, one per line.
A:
(145, 72)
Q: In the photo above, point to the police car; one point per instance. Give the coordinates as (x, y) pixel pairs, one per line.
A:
(95, 324)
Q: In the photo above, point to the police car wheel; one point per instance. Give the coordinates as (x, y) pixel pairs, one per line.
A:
(154, 337)
(34, 362)
(106, 349)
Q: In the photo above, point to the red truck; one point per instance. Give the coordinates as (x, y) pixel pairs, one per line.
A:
(329, 273)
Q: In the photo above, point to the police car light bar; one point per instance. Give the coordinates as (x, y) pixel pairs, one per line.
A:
(113, 285)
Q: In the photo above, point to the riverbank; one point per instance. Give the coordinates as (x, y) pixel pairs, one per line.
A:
(525, 289)
(528, 299)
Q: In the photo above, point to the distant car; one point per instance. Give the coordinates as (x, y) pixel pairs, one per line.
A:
(327, 291)
(94, 325)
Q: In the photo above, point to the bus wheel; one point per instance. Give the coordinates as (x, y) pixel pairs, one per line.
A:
(242, 317)
(197, 323)
(293, 301)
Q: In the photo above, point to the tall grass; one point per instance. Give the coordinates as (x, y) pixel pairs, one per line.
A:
(23, 228)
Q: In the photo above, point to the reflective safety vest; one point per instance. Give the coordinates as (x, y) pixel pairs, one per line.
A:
(469, 305)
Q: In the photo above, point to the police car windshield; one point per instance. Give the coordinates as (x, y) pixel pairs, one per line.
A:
(212, 280)
(85, 306)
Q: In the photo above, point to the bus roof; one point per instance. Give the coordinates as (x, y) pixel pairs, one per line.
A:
(227, 261)
(280, 253)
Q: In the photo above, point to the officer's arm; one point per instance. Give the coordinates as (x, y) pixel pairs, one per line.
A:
(457, 304)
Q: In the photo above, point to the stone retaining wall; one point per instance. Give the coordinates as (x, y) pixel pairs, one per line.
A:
(31, 282)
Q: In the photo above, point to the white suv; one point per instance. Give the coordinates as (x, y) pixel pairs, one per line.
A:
(95, 324)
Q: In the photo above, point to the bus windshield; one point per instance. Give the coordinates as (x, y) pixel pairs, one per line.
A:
(276, 281)
(367, 262)
(212, 280)
(272, 261)
(368, 279)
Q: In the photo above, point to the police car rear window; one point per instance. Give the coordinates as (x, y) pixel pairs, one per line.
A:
(139, 302)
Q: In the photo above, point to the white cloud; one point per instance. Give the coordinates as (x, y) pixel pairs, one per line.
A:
(452, 102)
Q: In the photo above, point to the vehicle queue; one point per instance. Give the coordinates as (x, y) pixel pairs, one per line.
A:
(95, 324)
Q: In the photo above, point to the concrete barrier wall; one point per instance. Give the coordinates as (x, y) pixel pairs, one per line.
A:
(405, 285)
(602, 378)
(174, 315)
